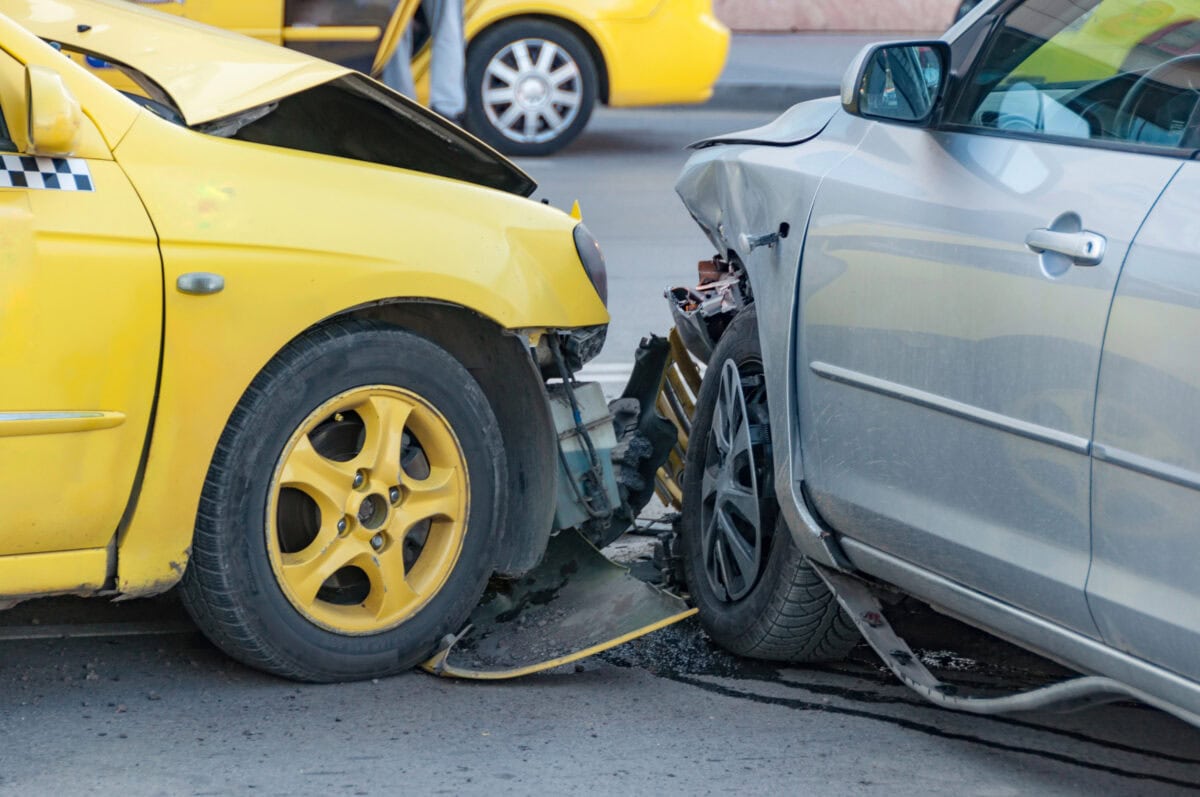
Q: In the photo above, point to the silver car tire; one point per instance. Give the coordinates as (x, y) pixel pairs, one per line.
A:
(773, 605)
(531, 87)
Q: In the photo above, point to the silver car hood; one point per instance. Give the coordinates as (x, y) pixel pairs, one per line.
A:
(796, 125)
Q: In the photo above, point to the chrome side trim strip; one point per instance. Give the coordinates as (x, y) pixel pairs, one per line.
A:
(969, 412)
(16, 424)
(1146, 466)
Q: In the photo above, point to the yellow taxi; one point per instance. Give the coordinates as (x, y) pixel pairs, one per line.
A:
(273, 331)
(535, 68)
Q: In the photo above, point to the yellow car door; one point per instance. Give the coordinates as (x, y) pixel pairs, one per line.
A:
(81, 307)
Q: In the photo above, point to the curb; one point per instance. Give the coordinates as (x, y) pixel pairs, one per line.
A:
(774, 97)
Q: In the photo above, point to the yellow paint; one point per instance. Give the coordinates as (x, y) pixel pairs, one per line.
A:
(81, 300)
(401, 17)
(62, 572)
(439, 666)
(55, 120)
(108, 114)
(245, 211)
(298, 238)
(653, 51)
(20, 424)
(207, 76)
(332, 33)
(396, 502)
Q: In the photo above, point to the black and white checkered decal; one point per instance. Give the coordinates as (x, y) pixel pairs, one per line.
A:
(51, 174)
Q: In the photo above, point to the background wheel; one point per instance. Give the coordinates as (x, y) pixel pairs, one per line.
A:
(756, 593)
(531, 87)
(346, 523)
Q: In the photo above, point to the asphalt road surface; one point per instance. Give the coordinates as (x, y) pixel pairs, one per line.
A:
(134, 702)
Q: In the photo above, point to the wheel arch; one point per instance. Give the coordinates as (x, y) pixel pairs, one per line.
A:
(585, 36)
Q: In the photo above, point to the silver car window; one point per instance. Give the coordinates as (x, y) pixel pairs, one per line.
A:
(1100, 70)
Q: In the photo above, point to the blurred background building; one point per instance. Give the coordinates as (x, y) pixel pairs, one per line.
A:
(860, 16)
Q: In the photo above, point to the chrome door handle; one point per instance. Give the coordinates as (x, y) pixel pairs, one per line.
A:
(1084, 248)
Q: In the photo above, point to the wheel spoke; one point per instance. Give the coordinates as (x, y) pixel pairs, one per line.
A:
(324, 480)
(502, 72)
(744, 556)
(509, 117)
(439, 497)
(709, 481)
(721, 571)
(744, 501)
(552, 117)
(531, 118)
(546, 56)
(500, 96)
(307, 570)
(564, 74)
(708, 535)
(740, 439)
(720, 429)
(520, 52)
(390, 591)
(567, 99)
(385, 418)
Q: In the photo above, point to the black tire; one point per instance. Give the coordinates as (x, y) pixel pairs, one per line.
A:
(234, 587)
(777, 607)
(486, 117)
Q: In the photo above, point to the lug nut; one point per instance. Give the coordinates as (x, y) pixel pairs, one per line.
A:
(377, 541)
(358, 480)
(394, 495)
(341, 526)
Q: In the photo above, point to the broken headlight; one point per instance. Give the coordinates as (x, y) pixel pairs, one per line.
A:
(593, 261)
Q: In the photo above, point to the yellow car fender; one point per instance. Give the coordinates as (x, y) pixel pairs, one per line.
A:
(268, 220)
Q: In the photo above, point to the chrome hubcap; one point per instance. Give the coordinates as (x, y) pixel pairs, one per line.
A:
(532, 91)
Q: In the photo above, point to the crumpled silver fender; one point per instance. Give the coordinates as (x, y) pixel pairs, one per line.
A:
(753, 198)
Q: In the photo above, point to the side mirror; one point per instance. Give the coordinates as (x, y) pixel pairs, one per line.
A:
(55, 119)
(897, 81)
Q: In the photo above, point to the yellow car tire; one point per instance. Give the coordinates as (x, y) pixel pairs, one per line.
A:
(757, 594)
(348, 516)
(531, 87)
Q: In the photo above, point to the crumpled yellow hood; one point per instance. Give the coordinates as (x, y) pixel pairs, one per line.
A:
(209, 73)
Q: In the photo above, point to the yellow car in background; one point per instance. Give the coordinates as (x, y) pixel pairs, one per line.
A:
(535, 68)
(274, 331)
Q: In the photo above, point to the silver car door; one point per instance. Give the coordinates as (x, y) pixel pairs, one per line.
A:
(1144, 587)
(954, 291)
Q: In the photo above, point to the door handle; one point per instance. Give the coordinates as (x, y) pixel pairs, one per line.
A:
(1083, 248)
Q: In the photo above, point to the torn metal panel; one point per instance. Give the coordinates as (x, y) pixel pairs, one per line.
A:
(355, 117)
(575, 604)
(800, 123)
(702, 313)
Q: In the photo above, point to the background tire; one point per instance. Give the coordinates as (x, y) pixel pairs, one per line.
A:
(757, 594)
(531, 87)
(316, 556)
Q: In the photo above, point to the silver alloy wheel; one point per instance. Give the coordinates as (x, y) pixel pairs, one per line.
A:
(732, 540)
(532, 91)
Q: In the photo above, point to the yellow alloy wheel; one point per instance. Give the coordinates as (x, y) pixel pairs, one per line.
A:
(367, 510)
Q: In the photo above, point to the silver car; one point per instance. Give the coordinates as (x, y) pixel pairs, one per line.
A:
(952, 340)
